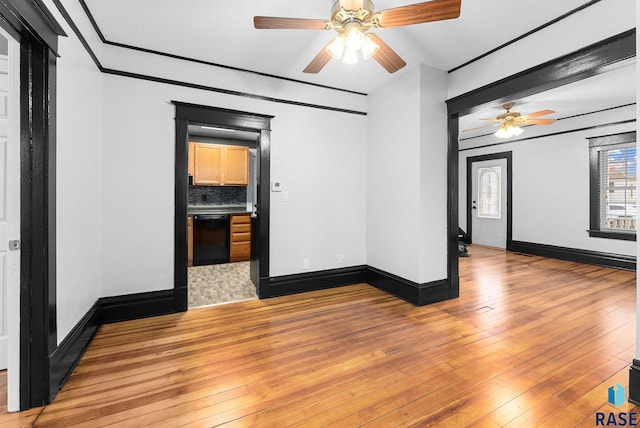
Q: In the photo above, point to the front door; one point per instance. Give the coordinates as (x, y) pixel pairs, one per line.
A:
(489, 203)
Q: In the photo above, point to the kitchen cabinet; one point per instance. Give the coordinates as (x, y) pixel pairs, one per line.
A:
(218, 165)
(207, 164)
(236, 166)
(190, 240)
(240, 238)
(192, 159)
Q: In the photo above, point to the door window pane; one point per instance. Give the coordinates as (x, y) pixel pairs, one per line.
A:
(489, 182)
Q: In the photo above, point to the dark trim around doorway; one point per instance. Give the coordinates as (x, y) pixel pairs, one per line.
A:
(204, 115)
(589, 61)
(470, 160)
(31, 24)
(31, 18)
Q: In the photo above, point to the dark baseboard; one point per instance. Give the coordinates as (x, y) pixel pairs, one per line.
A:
(634, 383)
(412, 292)
(139, 305)
(619, 261)
(302, 282)
(68, 353)
(143, 305)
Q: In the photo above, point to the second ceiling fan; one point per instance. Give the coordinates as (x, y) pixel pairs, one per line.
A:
(352, 20)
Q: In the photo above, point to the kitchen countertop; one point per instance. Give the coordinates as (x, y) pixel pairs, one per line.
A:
(217, 209)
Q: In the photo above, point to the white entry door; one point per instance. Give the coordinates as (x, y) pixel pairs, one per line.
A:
(489, 203)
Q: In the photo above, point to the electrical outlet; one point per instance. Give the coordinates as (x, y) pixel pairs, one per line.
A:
(340, 258)
(305, 264)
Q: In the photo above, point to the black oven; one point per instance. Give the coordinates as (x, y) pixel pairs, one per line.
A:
(210, 239)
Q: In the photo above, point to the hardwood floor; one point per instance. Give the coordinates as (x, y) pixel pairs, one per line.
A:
(3, 392)
(531, 342)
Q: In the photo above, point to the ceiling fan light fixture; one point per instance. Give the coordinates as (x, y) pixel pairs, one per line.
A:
(369, 47)
(336, 47)
(508, 131)
(354, 38)
(350, 56)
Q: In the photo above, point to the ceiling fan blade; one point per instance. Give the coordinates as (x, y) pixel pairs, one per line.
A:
(319, 61)
(386, 56)
(351, 4)
(492, 119)
(481, 127)
(419, 13)
(538, 113)
(538, 121)
(277, 23)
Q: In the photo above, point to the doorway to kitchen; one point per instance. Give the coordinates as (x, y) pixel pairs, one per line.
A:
(222, 197)
(221, 205)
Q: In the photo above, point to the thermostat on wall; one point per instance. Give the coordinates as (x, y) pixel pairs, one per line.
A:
(276, 186)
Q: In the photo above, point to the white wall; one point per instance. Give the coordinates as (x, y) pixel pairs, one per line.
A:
(78, 187)
(597, 22)
(433, 175)
(319, 155)
(551, 182)
(393, 176)
(406, 176)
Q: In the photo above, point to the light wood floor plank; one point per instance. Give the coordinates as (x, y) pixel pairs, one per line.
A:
(531, 342)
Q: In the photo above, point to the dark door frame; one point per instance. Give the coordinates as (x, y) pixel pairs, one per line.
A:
(492, 156)
(205, 115)
(31, 24)
(595, 59)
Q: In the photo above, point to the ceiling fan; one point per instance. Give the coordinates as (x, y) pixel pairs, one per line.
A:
(509, 122)
(352, 19)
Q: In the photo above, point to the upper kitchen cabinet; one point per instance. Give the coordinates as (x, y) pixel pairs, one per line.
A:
(207, 166)
(236, 166)
(192, 159)
(218, 165)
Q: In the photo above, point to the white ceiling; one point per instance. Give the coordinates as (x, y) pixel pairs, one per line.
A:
(221, 31)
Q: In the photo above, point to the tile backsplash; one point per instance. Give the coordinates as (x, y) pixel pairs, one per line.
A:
(217, 195)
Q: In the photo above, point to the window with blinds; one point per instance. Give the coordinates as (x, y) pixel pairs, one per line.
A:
(618, 188)
(613, 166)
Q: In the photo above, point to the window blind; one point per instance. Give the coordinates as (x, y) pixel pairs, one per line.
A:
(618, 187)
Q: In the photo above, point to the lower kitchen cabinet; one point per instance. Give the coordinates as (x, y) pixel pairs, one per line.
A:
(190, 240)
(240, 238)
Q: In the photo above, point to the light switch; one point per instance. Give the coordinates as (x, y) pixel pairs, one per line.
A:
(285, 196)
(276, 186)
